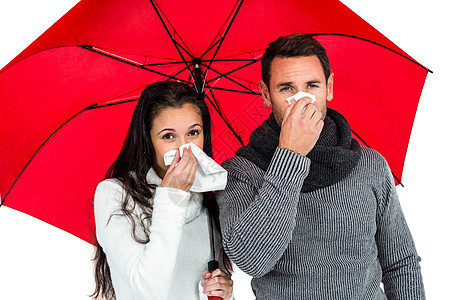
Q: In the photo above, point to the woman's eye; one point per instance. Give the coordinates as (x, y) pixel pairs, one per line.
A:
(193, 132)
(167, 136)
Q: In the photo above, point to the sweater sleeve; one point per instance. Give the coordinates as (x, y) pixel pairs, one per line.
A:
(147, 268)
(397, 254)
(258, 215)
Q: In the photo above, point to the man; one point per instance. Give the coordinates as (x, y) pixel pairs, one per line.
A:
(307, 212)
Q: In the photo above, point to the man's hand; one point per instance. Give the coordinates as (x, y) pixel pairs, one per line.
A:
(301, 126)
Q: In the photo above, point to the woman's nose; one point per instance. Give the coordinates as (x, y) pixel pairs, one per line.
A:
(181, 142)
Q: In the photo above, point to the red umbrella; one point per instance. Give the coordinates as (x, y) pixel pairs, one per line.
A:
(68, 98)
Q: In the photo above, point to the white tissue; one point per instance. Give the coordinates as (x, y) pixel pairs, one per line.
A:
(300, 95)
(210, 176)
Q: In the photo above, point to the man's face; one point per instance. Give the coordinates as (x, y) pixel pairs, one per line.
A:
(294, 74)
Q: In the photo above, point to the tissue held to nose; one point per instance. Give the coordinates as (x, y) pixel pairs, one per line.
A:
(210, 176)
(300, 95)
(170, 155)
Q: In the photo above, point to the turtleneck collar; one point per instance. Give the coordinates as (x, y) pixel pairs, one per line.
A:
(333, 157)
(195, 201)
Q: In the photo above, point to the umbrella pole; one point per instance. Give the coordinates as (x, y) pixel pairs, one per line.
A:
(213, 264)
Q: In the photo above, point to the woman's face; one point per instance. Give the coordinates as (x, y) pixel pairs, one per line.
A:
(174, 127)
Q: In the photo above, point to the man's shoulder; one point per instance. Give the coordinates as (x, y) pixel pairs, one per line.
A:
(371, 155)
(373, 162)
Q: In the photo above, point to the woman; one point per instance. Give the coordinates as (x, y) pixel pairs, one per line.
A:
(153, 234)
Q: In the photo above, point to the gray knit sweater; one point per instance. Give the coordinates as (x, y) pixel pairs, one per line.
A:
(337, 242)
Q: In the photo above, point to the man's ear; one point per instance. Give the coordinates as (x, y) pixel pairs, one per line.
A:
(330, 87)
(265, 94)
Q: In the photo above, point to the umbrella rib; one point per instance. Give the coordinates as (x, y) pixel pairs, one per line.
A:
(96, 106)
(219, 111)
(224, 35)
(91, 107)
(160, 14)
(218, 34)
(214, 105)
(39, 149)
(165, 64)
(181, 46)
(90, 48)
(210, 48)
(232, 80)
(398, 180)
(367, 145)
(235, 91)
(191, 62)
(175, 43)
(232, 71)
(228, 60)
(179, 72)
(378, 44)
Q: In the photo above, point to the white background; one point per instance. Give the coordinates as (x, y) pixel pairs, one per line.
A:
(38, 261)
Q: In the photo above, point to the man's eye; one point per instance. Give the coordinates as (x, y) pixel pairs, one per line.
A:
(313, 85)
(194, 132)
(167, 136)
(285, 88)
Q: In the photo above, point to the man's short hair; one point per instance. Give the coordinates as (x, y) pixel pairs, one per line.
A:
(293, 45)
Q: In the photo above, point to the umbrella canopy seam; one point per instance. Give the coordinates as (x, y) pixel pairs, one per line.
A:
(375, 43)
(42, 146)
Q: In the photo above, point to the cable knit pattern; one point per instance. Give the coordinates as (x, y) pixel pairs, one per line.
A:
(336, 243)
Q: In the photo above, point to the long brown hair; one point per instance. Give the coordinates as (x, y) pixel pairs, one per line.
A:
(135, 160)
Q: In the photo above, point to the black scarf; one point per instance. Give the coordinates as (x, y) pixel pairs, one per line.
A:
(333, 157)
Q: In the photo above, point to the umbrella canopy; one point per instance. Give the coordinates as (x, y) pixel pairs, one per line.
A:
(68, 98)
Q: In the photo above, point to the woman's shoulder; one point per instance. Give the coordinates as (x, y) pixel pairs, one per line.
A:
(110, 182)
(109, 191)
(109, 185)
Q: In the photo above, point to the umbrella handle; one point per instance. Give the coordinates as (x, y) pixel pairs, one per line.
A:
(213, 265)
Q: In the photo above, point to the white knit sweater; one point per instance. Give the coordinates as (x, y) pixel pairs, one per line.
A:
(171, 264)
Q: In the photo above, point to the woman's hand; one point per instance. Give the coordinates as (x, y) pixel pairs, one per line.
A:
(217, 283)
(181, 173)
